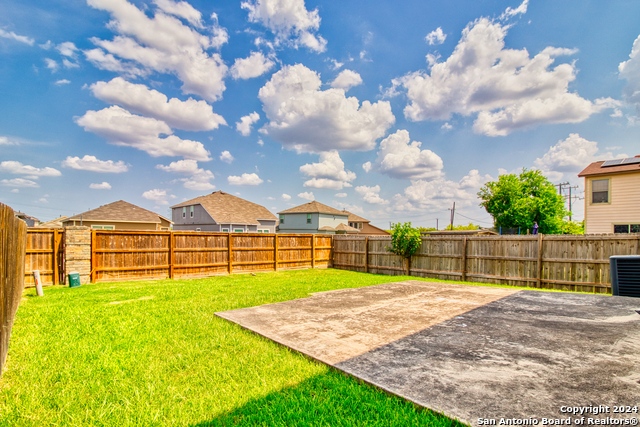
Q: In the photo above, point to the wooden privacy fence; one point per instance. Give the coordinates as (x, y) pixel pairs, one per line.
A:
(13, 244)
(124, 255)
(579, 263)
(45, 253)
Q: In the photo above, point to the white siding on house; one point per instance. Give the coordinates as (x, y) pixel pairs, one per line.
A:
(333, 220)
(623, 206)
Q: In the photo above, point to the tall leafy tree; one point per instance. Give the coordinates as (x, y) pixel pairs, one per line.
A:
(517, 201)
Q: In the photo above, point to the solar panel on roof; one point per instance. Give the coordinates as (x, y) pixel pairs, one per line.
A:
(615, 162)
(631, 161)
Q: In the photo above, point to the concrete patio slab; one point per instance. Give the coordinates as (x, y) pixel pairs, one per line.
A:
(477, 354)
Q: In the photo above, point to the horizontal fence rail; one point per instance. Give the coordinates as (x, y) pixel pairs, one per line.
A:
(124, 255)
(579, 263)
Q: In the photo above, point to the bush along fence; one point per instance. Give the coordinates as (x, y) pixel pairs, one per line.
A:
(13, 244)
(577, 263)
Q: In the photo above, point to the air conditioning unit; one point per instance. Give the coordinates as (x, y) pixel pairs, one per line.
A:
(625, 275)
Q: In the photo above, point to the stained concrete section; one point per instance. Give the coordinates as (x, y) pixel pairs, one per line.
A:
(338, 325)
(472, 353)
(524, 356)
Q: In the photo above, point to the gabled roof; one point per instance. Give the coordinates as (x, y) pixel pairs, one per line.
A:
(596, 168)
(225, 208)
(355, 218)
(119, 211)
(314, 207)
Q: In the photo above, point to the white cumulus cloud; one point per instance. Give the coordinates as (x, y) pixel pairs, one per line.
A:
(630, 71)
(157, 195)
(245, 179)
(226, 157)
(436, 36)
(255, 65)
(246, 122)
(289, 21)
(508, 89)
(100, 186)
(307, 195)
(120, 127)
(19, 183)
(196, 177)
(93, 164)
(371, 194)
(328, 173)
(346, 80)
(305, 118)
(165, 44)
(16, 37)
(188, 115)
(398, 157)
(17, 168)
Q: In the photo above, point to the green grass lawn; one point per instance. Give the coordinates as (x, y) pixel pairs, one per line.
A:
(148, 353)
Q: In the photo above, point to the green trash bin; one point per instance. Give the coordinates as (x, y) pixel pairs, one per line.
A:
(74, 279)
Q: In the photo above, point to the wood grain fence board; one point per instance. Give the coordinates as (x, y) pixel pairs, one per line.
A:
(13, 248)
(44, 253)
(545, 261)
(179, 254)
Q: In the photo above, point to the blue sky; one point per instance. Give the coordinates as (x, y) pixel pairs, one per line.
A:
(393, 110)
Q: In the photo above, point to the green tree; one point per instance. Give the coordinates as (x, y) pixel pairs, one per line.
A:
(517, 201)
(405, 241)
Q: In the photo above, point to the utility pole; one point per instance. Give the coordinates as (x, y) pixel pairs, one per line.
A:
(453, 214)
(569, 196)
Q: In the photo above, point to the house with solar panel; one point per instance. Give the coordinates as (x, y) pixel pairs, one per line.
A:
(612, 196)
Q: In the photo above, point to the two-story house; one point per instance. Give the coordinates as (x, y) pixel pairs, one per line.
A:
(612, 196)
(223, 212)
(315, 217)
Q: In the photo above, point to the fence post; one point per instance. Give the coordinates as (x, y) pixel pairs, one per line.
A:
(172, 254)
(275, 252)
(539, 264)
(366, 254)
(464, 259)
(56, 256)
(313, 251)
(229, 253)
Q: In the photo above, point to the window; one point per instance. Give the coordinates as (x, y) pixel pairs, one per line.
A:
(184, 212)
(308, 218)
(198, 229)
(238, 230)
(225, 230)
(191, 211)
(263, 231)
(103, 227)
(626, 228)
(281, 219)
(600, 191)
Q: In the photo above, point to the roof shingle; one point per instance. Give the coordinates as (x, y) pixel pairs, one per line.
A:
(225, 208)
(119, 211)
(315, 207)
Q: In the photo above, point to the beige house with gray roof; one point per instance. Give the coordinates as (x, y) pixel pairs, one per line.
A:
(315, 217)
(223, 212)
(119, 215)
(612, 196)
